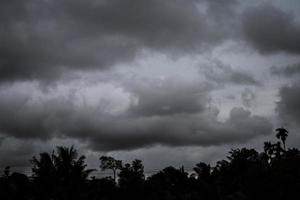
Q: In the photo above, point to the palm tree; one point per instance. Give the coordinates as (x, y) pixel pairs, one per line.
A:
(45, 176)
(60, 173)
(282, 134)
(44, 166)
(69, 167)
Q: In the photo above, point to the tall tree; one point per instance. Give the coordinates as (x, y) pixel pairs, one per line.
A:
(60, 174)
(69, 165)
(282, 134)
(132, 175)
(43, 168)
(107, 162)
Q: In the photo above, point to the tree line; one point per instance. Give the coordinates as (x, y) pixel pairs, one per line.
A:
(246, 174)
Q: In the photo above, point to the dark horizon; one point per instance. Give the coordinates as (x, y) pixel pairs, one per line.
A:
(245, 173)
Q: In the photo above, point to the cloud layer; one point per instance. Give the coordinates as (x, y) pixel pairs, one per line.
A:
(151, 114)
(47, 39)
(116, 75)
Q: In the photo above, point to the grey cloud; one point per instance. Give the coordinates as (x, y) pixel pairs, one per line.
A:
(223, 16)
(111, 105)
(288, 71)
(25, 117)
(15, 153)
(168, 97)
(288, 107)
(179, 130)
(270, 29)
(157, 24)
(45, 39)
(248, 96)
(60, 116)
(221, 73)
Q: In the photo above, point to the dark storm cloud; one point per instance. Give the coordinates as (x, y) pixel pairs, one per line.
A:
(270, 29)
(288, 71)
(60, 116)
(44, 39)
(23, 117)
(168, 97)
(222, 16)
(289, 106)
(184, 130)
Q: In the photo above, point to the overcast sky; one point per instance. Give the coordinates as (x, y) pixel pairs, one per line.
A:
(170, 82)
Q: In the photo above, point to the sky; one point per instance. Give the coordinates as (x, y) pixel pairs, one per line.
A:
(171, 82)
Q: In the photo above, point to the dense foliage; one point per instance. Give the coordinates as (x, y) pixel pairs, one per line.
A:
(245, 174)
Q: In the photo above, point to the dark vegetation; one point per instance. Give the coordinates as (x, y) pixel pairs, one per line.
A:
(245, 174)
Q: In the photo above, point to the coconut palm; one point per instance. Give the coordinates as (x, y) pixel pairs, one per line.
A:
(282, 134)
(43, 167)
(61, 173)
(69, 166)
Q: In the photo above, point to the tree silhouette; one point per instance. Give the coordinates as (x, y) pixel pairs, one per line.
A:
(203, 170)
(60, 174)
(108, 162)
(282, 134)
(131, 180)
(132, 174)
(169, 183)
(6, 172)
(68, 166)
(273, 151)
(244, 174)
(45, 176)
